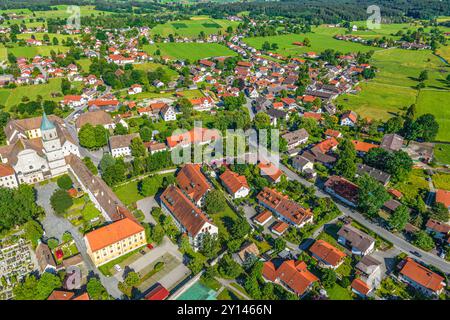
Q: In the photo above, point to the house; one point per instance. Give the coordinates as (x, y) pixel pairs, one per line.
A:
(192, 182)
(73, 101)
(8, 177)
(327, 255)
(362, 147)
(421, 278)
(280, 228)
(119, 59)
(189, 218)
(45, 258)
(202, 104)
(120, 145)
(349, 119)
(262, 218)
(420, 151)
(369, 276)
(296, 138)
(343, 190)
(270, 172)
(235, 184)
(153, 146)
(315, 155)
(326, 145)
(330, 133)
(392, 142)
(439, 229)
(248, 252)
(380, 176)
(135, 89)
(302, 164)
(443, 196)
(67, 295)
(114, 240)
(391, 205)
(95, 118)
(359, 242)
(293, 275)
(103, 104)
(168, 113)
(197, 135)
(287, 210)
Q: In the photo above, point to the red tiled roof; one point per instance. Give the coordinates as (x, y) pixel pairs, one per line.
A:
(191, 180)
(158, 293)
(263, 216)
(395, 193)
(6, 170)
(270, 170)
(421, 275)
(326, 252)
(360, 286)
(280, 227)
(196, 135)
(332, 133)
(363, 146)
(233, 181)
(438, 226)
(313, 115)
(326, 145)
(443, 196)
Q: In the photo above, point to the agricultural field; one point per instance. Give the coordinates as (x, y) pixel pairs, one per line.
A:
(319, 43)
(40, 36)
(444, 52)
(10, 97)
(191, 51)
(437, 103)
(193, 27)
(31, 52)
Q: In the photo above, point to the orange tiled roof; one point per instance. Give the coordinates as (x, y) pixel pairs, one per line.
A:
(363, 146)
(192, 181)
(112, 233)
(61, 295)
(6, 170)
(360, 286)
(280, 227)
(326, 252)
(270, 170)
(263, 216)
(443, 196)
(326, 145)
(421, 275)
(233, 181)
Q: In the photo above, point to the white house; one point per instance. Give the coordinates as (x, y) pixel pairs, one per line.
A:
(168, 113)
(135, 89)
(235, 184)
(120, 145)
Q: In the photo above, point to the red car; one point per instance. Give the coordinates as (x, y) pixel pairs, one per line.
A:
(149, 246)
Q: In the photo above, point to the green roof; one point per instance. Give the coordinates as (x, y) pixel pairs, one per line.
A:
(46, 124)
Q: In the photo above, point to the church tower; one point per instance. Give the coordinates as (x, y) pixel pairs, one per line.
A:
(52, 147)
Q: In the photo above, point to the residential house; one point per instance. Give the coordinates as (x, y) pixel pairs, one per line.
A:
(287, 210)
(191, 180)
(168, 113)
(8, 177)
(280, 228)
(443, 196)
(421, 278)
(302, 164)
(95, 118)
(202, 104)
(368, 276)
(189, 218)
(296, 138)
(362, 147)
(438, 229)
(135, 89)
(262, 218)
(270, 172)
(235, 184)
(343, 190)
(199, 136)
(380, 176)
(327, 255)
(359, 242)
(248, 252)
(45, 258)
(392, 142)
(293, 275)
(120, 145)
(349, 119)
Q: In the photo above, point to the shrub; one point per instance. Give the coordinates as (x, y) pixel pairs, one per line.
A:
(64, 182)
(60, 201)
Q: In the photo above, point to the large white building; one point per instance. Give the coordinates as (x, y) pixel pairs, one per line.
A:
(37, 148)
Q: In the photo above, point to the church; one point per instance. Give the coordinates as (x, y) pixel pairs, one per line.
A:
(35, 151)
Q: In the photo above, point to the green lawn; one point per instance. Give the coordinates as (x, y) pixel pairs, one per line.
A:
(444, 52)
(150, 66)
(442, 153)
(442, 181)
(339, 293)
(193, 27)
(437, 103)
(191, 51)
(411, 187)
(31, 52)
(10, 97)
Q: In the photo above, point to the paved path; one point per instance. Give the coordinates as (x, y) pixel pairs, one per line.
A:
(55, 226)
(227, 284)
(248, 105)
(408, 248)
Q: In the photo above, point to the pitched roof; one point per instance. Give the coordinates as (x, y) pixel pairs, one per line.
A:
(112, 233)
(443, 196)
(350, 115)
(326, 145)
(392, 142)
(248, 249)
(270, 170)
(421, 275)
(378, 175)
(438, 226)
(362, 146)
(186, 213)
(295, 136)
(192, 181)
(157, 293)
(233, 181)
(326, 252)
(6, 170)
(343, 188)
(293, 274)
(356, 238)
(95, 118)
(122, 141)
(280, 227)
(263, 216)
(360, 286)
(284, 206)
(196, 135)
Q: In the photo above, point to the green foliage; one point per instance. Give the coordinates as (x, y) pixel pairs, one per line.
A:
(157, 233)
(262, 120)
(210, 246)
(90, 165)
(132, 279)
(33, 289)
(328, 278)
(96, 290)
(67, 236)
(228, 268)
(423, 240)
(61, 201)
(33, 232)
(137, 148)
(52, 243)
(346, 164)
(215, 201)
(440, 212)
(372, 195)
(64, 182)
(398, 164)
(120, 130)
(92, 137)
(399, 218)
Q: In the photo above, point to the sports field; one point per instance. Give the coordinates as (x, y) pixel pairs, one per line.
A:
(191, 51)
(193, 27)
(10, 97)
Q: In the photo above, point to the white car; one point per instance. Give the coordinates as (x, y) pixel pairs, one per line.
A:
(118, 268)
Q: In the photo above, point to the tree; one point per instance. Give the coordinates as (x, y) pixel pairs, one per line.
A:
(371, 195)
(240, 228)
(33, 232)
(229, 268)
(428, 127)
(64, 182)
(145, 133)
(132, 279)
(186, 108)
(210, 246)
(423, 76)
(61, 201)
(262, 120)
(399, 218)
(149, 186)
(26, 290)
(52, 243)
(393, 125)
(96, 290)
(328, 278)
(440, 212)
(90, 165)
(411, 112)
(279, 244)
(46, 284)
(346, 164)
(423, 240)
(137, 147)
(157, 233)
(106, 162)
(120, 129)
(215, 202)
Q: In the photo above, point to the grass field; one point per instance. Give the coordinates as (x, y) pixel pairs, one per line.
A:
(150, 66)
(411, 187)
(437, 103)
(339, 293)
(441, 181)
(444, 52)
(193, 27)
(10, 97)
(319, 42)
(442, 153)
(191, 51)
(31, 52)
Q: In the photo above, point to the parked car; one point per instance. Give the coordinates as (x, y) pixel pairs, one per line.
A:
(416, 253)
(117, 267)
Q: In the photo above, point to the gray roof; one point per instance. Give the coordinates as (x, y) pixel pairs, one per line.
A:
(122, 141)
(295, 136)
(391, 204)
(392, 142)
(300, 161)
(378, 175)
(356, 238)
(368, 264)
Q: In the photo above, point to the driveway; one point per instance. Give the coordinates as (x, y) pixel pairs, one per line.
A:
(146, 205)
(55, 226)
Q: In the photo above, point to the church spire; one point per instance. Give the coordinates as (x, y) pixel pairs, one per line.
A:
(46, 124)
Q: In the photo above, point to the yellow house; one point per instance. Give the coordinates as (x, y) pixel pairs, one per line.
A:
(112, 241)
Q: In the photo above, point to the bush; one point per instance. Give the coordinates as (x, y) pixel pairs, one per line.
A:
(61, 201)
(64, 182)
(52, 243)
(158, 266)
(67, 236)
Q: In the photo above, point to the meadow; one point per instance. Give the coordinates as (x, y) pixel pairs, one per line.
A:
(31, 52)
(191, 51)
(150, 66)
(193, 27)
(437, 103)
